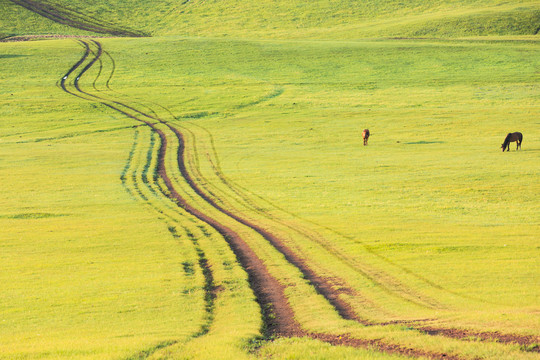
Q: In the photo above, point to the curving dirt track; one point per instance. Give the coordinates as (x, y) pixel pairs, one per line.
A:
(526, 341)
(278, 315)
(266, 288)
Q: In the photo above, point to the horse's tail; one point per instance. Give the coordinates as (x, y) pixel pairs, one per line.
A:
(520, 135)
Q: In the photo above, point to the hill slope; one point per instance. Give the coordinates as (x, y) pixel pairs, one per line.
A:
(344, 19)
(349, 19)
(16, 20)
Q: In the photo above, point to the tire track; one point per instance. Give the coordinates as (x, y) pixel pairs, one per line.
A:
(279, 319)
(270, 310)
(145, 354)
(528, 342)
(386, 282)
(342, 307)
(70, 135)
(125, 172)
(210, 287)
(145, 179)
(267, 289)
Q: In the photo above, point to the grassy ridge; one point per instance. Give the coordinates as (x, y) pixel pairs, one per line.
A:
(351, 19)
(344, 19)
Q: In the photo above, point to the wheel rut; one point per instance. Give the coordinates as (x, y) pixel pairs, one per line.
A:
(277, 313)
(279, 317)
(328, 286)
(139, 179)
(528, 342)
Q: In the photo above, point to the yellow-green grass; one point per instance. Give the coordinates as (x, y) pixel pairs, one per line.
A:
(85, 270)
(344, 19)
(352, 20)
(16, 20)
(431, 201)
(89, 271)
(442, 121)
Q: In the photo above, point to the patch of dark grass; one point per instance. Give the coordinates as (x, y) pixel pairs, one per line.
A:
(253, 345)
(424, 142)
(144, 354)
(197, 115)
(10, 56)
(188, 268)
(31, 216)
(531, 348)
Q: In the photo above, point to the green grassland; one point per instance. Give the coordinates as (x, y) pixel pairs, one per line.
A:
(429, 221)
(16, 20)
(319, 19)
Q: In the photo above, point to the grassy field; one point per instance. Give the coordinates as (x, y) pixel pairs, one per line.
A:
(318, 19)
(16, 20)
(428, 228)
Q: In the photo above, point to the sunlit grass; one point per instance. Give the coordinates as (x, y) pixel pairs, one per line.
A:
(320, 19)
(90, 272)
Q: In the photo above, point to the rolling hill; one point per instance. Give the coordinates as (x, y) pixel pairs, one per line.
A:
(345, 19)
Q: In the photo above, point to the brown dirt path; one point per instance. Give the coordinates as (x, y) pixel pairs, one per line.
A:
(530, 343)
(277, 313)
(345, 310)
(279, 316)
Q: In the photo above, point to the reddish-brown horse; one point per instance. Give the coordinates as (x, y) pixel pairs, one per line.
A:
(511, 137)
(365, 136)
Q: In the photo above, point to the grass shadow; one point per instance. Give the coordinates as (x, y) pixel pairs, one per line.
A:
(529, 150)
(10, 56)
(31, 216)
(424, 142)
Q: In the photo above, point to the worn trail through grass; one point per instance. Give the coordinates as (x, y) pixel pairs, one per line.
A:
(234, 195)
(151, 177)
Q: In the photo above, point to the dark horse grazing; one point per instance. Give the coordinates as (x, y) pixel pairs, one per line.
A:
(365, 136)
(511, 137)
